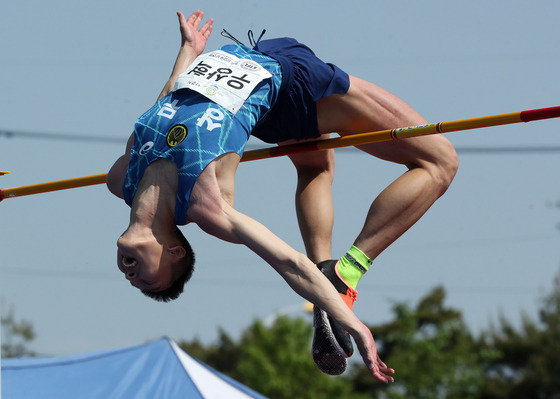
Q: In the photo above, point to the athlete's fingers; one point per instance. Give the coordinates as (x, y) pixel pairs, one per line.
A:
(382, 364)
(385, 370)
(366, 347)
(381, 374)
(196, 18)
(182, 18)
(207, 28)
(368, 350)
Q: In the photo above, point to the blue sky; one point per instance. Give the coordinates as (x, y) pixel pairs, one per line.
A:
(91, 68)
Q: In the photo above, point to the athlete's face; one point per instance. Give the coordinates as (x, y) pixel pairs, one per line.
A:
(143, 265)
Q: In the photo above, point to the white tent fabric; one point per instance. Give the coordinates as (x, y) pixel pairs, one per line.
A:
(157, 370)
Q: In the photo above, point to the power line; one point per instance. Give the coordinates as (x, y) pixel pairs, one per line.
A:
(508, 150)
(541, 149)
(271, 284)
(61, 136)
(263, 283)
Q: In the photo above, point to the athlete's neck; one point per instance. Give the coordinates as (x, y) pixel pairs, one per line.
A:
(154, 202)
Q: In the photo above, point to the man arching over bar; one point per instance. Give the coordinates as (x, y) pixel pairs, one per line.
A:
(180, 164)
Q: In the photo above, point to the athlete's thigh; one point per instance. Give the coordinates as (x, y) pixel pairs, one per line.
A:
(367, 107)
(413, 152)
(318, 160)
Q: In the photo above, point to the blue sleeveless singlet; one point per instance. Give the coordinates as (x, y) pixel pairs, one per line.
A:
(191, 130)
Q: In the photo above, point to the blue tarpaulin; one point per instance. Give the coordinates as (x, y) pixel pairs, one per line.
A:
(157, 370)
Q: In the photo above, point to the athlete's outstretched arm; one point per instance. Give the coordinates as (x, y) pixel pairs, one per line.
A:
(193, 43)
(217, 217)
(301, 275)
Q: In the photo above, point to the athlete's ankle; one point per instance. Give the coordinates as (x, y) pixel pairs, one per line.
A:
(352, 266)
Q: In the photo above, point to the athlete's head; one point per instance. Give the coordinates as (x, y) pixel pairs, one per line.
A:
(157, 267)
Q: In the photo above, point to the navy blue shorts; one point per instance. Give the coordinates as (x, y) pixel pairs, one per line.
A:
(305, 80)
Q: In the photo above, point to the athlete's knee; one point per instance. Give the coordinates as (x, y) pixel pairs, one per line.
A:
(313, 164)
(445, 166)
(450, 163)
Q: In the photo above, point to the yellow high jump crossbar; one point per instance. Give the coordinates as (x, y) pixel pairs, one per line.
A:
(338, 142)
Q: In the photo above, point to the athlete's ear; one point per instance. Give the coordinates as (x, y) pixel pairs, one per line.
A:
(177, 252)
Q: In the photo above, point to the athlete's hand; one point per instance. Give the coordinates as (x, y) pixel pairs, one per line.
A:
(191, 34)
(366, 346)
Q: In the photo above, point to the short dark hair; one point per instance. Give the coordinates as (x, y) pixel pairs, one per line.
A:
(182, 271)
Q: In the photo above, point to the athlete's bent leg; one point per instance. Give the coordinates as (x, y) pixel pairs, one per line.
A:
(431, 163)
(314, 206)
(431, 160)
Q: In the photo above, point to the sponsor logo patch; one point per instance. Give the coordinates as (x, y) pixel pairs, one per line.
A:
(146, 148)
(176, 135)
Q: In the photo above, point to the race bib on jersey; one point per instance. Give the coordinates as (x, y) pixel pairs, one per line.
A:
(223, 78)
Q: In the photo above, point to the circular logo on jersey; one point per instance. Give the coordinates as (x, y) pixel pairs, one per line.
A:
(146, 148)
(211, 90)
(176, 135)
(250, 65)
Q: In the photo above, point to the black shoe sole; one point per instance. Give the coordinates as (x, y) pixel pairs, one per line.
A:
(327, 354)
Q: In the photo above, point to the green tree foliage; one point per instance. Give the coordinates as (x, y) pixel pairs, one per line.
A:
(274, 361)
(528, 365)
(429, 346)
(16, 335)
(431, 351)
